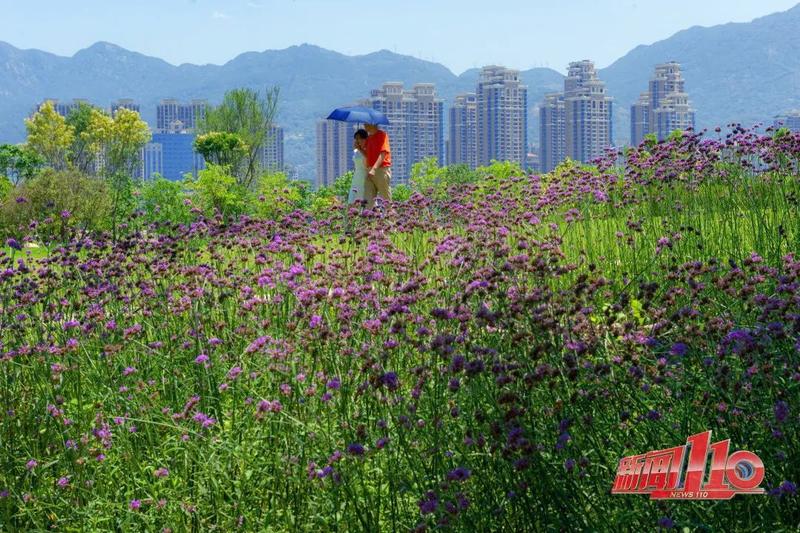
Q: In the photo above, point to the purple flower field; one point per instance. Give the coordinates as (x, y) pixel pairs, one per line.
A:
(471, 359)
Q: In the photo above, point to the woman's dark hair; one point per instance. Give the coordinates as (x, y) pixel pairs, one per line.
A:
(361, 134)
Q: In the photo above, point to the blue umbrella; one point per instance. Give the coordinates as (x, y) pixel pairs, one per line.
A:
(360, 114)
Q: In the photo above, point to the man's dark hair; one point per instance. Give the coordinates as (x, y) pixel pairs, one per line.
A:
(361, 134)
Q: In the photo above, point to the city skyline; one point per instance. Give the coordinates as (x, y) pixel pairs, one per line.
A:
(489, 124)
(242, 24)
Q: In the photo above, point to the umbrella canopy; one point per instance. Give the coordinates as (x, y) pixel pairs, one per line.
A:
(360, 114)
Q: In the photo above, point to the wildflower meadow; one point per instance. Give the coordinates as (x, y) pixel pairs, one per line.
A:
(476, 356)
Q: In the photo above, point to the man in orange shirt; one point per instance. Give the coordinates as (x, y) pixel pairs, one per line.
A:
(379, 165)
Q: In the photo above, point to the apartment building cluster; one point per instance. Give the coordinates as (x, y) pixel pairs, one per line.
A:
(489, 124)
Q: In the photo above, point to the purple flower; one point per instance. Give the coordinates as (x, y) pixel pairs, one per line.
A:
(458, 474)
(788, 488)
(390, 380)
(30, 465)
(679, 349)
(161, 472)
(63, 482)
(256, 345)
(355, 449)
(234, 372)
(429, 503)
(316, 321)
(14, 244)
(665, 523)
(128, 371)
(652, 414)
(334, 383)
(200, 359)
(266, 406)
(135, 505)
(781, 411)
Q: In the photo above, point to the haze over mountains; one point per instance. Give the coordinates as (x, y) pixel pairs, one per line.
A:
(742, 72)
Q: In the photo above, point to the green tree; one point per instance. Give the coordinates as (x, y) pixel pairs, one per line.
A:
(19, 163)
(82, 153)
(50, 136)
(250, 115)
(222, 148)
(120, 140)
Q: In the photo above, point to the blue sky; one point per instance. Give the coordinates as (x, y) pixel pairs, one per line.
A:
(459, 34)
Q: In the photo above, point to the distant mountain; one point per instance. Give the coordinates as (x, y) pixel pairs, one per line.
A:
(738, 72)
(735, 72)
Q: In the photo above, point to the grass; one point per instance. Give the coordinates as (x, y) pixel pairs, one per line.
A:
(515, 349)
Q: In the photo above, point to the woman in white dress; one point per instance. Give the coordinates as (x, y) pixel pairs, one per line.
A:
(359, 167)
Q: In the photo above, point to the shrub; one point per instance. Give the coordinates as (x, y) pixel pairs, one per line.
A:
(163, 202)
(276, 195)
(56, 203)
(401, 193)
(216, 190)
(500, 170)
(5, 187)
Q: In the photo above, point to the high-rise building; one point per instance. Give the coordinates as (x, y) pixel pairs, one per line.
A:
(152, 161)
(664, 108)
(124, 103)
(167, 116)
(425, 125)
(173, 116)
(334, 151)
(170, 155)
(462, 143)
(416, 124)
(587, 113)
(552, 131)
(790, 121)
(577, 123)
(502, 116)
(272, 152)
(640, 119)
(674, 113)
